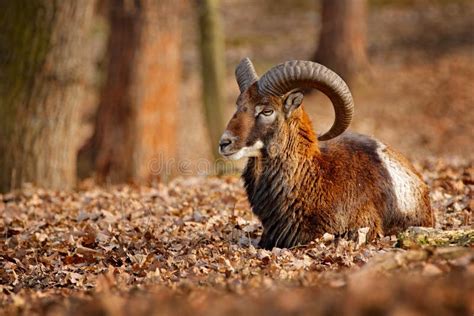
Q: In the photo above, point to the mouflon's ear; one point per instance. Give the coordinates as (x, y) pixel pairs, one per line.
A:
(292, 101)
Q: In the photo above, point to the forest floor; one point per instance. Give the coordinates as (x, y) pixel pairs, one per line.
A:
(189, 247)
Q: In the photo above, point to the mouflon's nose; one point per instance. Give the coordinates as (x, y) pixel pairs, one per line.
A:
(224, 143)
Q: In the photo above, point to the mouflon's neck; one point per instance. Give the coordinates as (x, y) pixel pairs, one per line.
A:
(302, 139)
(296, 141)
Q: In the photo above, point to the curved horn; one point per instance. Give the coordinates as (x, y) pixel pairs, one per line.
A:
(306, 74)
(245, 74)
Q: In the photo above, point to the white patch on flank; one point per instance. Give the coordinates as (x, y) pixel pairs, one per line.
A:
(252, 151)
(404, 181)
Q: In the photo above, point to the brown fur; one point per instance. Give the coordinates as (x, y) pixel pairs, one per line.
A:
(301, 190)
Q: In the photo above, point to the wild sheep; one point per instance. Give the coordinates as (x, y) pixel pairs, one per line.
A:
(300, 189)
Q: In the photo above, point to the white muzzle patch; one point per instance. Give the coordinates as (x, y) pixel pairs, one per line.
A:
(246, 152)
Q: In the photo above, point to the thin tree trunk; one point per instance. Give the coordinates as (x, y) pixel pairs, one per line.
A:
(342, 43)
(213, 69)
(112, 143)
(42, 75)
(135, 130)
(157, 89)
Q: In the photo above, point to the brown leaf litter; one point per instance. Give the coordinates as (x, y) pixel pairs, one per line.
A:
(191, 245)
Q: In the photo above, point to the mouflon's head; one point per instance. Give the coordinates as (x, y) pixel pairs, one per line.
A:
(266, 105)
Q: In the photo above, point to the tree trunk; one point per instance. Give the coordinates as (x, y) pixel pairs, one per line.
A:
(213, 69)
(135, 130)
(42, 75)
(342, 43)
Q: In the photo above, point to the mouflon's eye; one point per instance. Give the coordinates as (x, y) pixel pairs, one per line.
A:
(267, 112)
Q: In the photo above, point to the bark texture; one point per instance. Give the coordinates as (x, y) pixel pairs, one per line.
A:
(42, 56)
(135, 130)
(212, 69)
(342, 43)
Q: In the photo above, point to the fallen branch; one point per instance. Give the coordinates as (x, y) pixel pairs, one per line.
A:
(415, 237)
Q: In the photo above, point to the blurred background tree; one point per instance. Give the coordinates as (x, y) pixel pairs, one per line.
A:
(212, 69)
(135, 126)
(43, 57)
(342, 40)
